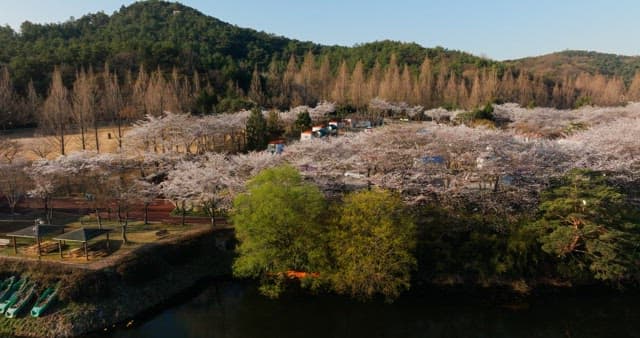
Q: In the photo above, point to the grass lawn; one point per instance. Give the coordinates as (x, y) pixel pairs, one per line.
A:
(137, 234)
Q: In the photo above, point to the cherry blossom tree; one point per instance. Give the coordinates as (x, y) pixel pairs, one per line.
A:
(398, 109)
(212, 181)
(206, 183)
(13, 182)
(613, 146)
(145, 192)
(45, 176)
(455, 164)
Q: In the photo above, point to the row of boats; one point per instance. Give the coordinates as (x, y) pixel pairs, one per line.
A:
(16, 294)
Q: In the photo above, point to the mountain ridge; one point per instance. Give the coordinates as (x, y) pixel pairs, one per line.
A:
(138, 34)
(574, 61)
(201, 64)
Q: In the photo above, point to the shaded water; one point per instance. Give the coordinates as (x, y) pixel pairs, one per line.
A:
(236, 310)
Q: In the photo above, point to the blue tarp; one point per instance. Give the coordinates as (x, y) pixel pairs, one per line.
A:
(432, 160)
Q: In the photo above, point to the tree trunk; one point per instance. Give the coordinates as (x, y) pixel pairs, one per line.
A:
(50, 216)
(146, 213)
(99, 218)
(184, 213)
(119, 133)
(95, 133)
(62, 140)
(82, 136)
(46, 207)
(496, 183)
(124, 229)
(210, 210)
(47, 210)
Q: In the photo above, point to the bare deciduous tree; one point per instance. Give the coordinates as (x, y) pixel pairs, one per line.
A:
(84, 100)
(56, 114)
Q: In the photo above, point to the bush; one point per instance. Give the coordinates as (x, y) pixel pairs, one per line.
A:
(483, 114)
(230, 104)
(583, 101)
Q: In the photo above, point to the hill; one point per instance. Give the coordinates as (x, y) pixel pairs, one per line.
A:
(155, 56)
(574, 62)
(163, 34)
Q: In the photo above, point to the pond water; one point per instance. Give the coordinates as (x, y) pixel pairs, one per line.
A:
(236, 310)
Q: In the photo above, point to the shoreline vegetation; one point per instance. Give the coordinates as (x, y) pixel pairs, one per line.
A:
(97, 300)
(102, 298)
(114, 297)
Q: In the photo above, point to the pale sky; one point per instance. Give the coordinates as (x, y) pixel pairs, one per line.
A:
(499, 29)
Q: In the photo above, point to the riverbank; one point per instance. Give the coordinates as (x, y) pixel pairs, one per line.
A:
(96, 300)
(107, 297)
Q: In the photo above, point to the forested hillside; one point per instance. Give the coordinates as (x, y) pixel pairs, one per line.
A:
(157, 56)
(574, 62)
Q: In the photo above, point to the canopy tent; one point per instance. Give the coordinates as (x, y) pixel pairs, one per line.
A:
(35, 232)
(82, 235)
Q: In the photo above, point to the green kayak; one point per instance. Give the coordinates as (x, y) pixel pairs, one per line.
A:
(16, 290)
(46, 298)
(6, 287)
(25, 297)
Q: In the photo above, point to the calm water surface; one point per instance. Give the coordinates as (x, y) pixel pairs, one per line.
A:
(236, 310)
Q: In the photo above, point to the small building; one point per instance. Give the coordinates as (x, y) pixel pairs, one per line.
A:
(363, 124)
(36, 232)
(354, 174)
(337, 124)
(83, 236)
(429, 160)
(276, 147)
(306, 135)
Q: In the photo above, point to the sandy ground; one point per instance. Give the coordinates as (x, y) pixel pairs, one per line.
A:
(33, 146)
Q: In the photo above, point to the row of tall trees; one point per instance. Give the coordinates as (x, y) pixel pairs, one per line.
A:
(432, 84)
(87, 98)
(94, 99)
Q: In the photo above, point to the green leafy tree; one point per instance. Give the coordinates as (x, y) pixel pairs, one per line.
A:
(275, 128)
(588, 225)
(279, 226)
(257, 134)
(372, 242)
(303, 122)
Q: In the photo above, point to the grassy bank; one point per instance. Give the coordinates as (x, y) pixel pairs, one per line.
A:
(96, 300)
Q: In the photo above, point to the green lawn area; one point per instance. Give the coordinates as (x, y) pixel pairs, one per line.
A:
(137, 234)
